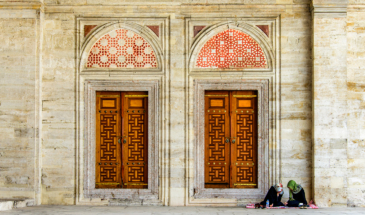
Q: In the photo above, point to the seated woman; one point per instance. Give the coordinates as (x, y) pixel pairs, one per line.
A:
(296, 194)
(274, 196)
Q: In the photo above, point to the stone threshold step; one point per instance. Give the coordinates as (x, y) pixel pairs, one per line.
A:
(8, 204)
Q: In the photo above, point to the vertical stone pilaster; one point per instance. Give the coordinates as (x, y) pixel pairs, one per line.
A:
(329, 104)
(177, 110)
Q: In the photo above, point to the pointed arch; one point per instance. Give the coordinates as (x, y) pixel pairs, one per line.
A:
(231, 45)
(121, 46)
(231, 49)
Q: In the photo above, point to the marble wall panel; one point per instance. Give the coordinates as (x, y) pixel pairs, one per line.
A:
(58, 110)
(356, 107)
(296, 112)
(306, 100)
(18, 83)
(330, 131)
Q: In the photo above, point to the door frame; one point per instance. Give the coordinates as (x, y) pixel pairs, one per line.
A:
(91, 86)
(262, 88)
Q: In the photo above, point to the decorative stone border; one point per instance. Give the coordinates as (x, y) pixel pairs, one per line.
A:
(91, 86)
(262, 87)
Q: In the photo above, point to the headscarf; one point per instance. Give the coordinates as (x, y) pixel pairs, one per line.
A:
(279, 188)
(296, 188)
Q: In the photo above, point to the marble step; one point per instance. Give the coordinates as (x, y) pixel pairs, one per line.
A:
(8, 204)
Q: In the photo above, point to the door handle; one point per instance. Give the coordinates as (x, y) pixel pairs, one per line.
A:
(234, 140)
(124, 141)
(227, 139)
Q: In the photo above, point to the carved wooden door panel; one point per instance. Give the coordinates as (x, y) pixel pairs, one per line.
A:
(217, 162)
(135, 160)
(244, 139)
(108, 151)
(230, 139)
(121, 140)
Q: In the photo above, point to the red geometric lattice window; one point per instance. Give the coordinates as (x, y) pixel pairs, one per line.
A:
(122, 49)
(231, 49)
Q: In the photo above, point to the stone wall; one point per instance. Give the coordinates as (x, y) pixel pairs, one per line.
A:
(296, 100)
(356, 106)
(58, 109)
(329, 106)
(18, 103)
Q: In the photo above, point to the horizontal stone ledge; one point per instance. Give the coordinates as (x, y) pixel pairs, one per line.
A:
(329, 9)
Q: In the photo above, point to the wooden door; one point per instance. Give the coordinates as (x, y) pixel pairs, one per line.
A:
(121, 140)
(135, 145)
(217, 133)
(108, 150)
(230, 139)
(244, 139)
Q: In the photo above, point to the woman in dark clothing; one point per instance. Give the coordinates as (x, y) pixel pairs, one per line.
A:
(274, 196)
(296, 194)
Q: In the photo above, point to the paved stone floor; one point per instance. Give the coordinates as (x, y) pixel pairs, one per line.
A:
(105, 210)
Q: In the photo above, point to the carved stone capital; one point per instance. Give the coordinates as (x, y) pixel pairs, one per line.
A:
(332, 8)
(329, 8)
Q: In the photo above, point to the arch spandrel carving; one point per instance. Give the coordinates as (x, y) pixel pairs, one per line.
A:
(121, 46)
(231, 46)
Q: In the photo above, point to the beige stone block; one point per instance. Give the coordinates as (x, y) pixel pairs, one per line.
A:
(56, 197)
(337, 182)
(355, 153)
(356, 197)
(24, 193)
(323, 197)
(297, 124)
(356, 163)
(323, 182)
(177, 196)
(295, 168)
(339, 197)
(338, 163)
(356, 182)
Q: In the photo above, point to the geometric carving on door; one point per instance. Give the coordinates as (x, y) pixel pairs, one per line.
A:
(135, 174)
(217, 174)
(121, 134)
(107, 169)
(136, 135)
(244, 174)
(231, 148)
(245, 137)
(135, 165)
(216, 137)
(108, 174)
(108, 179)
(108, 135)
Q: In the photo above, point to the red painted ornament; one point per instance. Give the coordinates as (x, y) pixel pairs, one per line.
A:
(121, 49)
(231, 49)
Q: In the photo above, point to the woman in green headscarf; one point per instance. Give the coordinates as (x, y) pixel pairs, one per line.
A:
(296, 194)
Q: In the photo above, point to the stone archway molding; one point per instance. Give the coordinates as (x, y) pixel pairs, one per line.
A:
(262, 88)
(151, 194)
